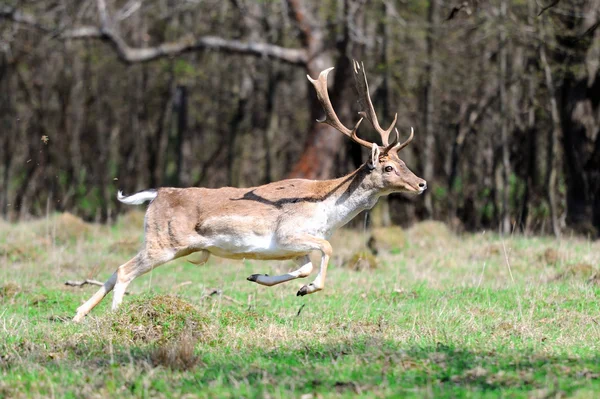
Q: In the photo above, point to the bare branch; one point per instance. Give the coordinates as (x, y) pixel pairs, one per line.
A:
(85, 282)
(591, 30)
(456, 9)
(554, 2)
(82, 32)
(130, 8)
(212, 292)
(104, 18)
(190, 44)
(186, 44)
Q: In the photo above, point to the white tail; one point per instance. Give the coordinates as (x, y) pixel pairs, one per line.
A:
(137, 198)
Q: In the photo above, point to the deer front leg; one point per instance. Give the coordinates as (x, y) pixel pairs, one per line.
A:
(303, 243)
(304, 270)
(319, 283)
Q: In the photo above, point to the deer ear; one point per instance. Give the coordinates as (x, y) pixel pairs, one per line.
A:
(375, 151)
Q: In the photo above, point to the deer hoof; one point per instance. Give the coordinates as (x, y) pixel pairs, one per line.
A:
(255, 277)
(303, 291)
(78, 317)
(307, 289)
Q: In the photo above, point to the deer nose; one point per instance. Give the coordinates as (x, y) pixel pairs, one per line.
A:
(422, 186)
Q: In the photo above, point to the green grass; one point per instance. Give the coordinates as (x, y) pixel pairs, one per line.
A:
(440, 316)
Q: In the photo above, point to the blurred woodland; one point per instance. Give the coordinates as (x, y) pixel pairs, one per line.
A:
(504, 96)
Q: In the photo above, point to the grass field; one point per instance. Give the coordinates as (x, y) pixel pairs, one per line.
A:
(440, 316)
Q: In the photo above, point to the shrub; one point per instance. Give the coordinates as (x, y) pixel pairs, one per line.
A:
(157, 319)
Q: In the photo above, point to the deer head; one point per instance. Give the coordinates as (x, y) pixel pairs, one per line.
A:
(388, 172)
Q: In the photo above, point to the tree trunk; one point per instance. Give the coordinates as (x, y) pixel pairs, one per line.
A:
(505, 213)
(323, 142)
(530, 133)
(552, 149)
(181, 106)
(531, 153)
(156, 155)
(6, 142)
(235, 153)
(272, 122)
(582, 182)
(428, 103)
(380, 215)
(579, 118)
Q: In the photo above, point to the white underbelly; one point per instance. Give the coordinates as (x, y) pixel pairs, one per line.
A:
(248, 247)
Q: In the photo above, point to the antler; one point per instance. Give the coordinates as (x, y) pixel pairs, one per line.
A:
(367, 111)
(331, 118)
(395, 148)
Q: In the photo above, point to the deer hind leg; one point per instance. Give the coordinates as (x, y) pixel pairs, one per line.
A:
(120, 279)
(304, 271)
(143, 262)
(109, 285)
(96, 298)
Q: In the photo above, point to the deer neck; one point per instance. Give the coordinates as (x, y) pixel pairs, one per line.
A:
(351, 195)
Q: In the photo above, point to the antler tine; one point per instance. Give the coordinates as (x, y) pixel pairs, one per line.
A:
(399, 146)
(331, 118)
(367, 109)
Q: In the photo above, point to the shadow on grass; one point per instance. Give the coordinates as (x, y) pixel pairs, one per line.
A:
(364, 366)
(369, 364)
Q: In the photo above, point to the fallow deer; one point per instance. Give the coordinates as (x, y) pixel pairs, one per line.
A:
(282, 220)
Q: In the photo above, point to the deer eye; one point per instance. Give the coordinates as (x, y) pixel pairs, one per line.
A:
(388, 169)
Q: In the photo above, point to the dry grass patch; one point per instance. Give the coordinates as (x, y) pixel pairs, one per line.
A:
(16, 249)
(551, 257)
(431, 233)
(578, 271)
(157, 319)
(487, 251)
(61, 228)
(346, 242)
(9, 290)
(177, 354)
(132, 219)
(362, 260)
(387, 239)
(126, 245)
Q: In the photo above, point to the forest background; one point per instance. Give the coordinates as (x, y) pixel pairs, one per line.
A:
(504, 97)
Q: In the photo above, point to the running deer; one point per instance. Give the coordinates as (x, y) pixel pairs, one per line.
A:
(282, 220)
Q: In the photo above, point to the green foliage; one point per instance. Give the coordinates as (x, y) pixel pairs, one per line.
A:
(184, 69)
(541, 212)
(418, 7)
(440, 193)
(487, 210)
(91, 201)
(457, 186)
